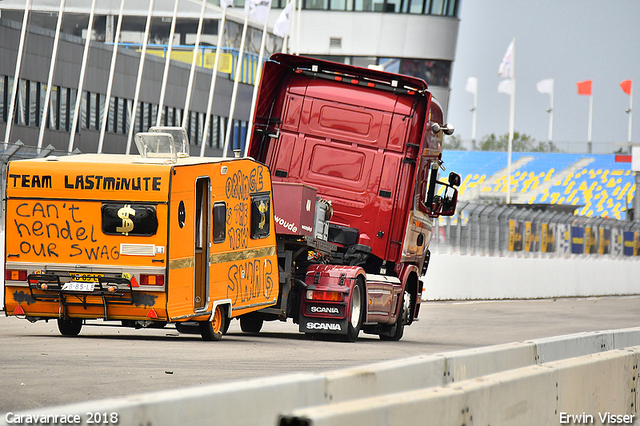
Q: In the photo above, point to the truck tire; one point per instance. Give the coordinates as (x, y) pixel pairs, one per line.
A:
(397, 330)
(251, 324)
(214, 329)
(69, 326)
(356, 313)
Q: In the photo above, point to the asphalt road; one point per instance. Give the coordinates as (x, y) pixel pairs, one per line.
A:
(40, 368)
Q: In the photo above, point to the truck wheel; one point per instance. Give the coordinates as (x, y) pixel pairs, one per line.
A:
(397, 330)
(214, 329)
(251, 324)
(69, 326)
(356, 313)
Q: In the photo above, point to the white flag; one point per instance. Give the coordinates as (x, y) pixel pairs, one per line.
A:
(507, 63)
(258, 10)
(504, 87)
(281, 27)
(226, 3)
(545, 86)
(472, 85)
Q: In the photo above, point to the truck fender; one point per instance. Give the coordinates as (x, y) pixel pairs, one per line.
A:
(329, 275)
(332, 276)
(409, 275)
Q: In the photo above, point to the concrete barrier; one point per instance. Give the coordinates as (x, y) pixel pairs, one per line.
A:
(385, 377)
(512, 380)
(624, 338)
(589, 387)
(467, 364)
(250, 403)
(556, 348)
(527, 278)
(579, 344)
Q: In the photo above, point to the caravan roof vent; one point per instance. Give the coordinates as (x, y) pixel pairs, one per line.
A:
(156, 147)
(179, 137)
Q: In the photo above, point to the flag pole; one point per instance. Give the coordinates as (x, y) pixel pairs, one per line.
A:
(136, 95)
(472, 87)
(585, 89)
(52, 68)
(288, 40)
(112, 70)
(167, 63)
(192, 71)
(83, 69)
(474, 117)
(256, 82)
(630, 112)
(512, 116)
(235, 87)
(214, 77)
(298, 27)
(551, 118)
(589, 144)
(16, 75)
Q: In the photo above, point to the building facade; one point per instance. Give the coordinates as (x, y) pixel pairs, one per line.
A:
(415, 37)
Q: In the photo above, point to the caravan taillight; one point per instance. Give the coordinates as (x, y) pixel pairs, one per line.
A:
(146, 279)
(15, 275)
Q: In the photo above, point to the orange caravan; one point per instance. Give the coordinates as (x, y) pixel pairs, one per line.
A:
(143, 240)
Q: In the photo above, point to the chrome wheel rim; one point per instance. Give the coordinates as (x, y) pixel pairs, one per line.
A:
(406, 307)
(356, 306)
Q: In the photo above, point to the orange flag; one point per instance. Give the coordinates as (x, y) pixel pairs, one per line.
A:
(626, 87)
(584, 87)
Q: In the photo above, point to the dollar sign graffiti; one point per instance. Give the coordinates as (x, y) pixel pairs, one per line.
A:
(127, 224)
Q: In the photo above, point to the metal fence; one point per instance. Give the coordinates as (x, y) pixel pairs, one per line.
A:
(485, 229)
(502, 230)
(19, 151)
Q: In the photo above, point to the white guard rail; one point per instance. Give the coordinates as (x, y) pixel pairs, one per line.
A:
(528, 383)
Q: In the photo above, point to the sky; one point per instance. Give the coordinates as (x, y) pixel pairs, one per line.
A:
(567, 40)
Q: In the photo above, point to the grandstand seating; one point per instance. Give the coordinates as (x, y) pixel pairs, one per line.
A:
(597, 184)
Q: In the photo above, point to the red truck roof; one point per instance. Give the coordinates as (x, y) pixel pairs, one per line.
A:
(303, 62)
(355, 134)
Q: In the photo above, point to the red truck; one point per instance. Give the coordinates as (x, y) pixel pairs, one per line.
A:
(354, 155)
(341, 195)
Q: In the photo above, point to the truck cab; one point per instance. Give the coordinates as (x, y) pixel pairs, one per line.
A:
(369, 143)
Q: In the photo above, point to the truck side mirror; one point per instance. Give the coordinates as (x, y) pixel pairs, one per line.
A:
(449, 201)
(445, 203)
(454, 179)
(440, 201)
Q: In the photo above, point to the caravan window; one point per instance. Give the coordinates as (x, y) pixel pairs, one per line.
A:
(260, 215)
(129, 219)
(219, 222)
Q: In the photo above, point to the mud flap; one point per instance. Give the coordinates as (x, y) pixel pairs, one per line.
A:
(323, 325)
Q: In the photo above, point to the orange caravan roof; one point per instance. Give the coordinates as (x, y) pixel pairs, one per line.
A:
(116, 177)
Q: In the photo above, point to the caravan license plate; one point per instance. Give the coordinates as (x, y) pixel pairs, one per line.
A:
(85, 278)
(74, 286)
